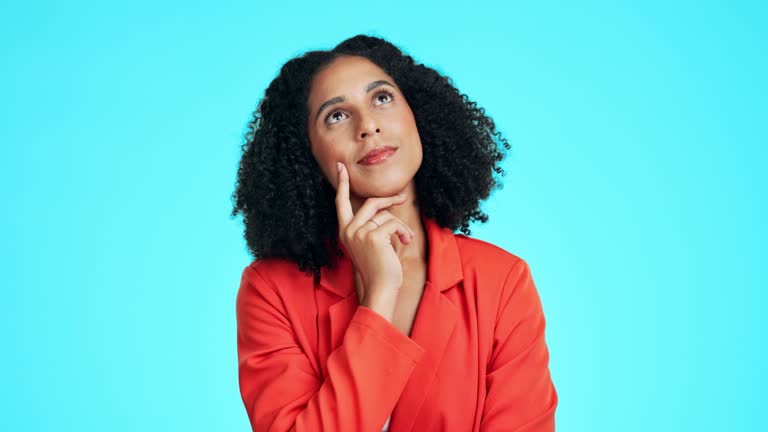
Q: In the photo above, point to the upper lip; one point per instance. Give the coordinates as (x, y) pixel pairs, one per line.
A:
(377, 151)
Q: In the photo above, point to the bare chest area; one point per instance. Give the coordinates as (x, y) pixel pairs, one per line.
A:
(407, 305)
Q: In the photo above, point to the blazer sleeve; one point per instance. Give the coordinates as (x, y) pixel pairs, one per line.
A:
(520, 393)
(283, 392)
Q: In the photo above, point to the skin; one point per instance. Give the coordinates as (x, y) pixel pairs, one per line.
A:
(344, 132)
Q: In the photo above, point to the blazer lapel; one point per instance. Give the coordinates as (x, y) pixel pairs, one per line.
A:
(435, 320)
(336, 304)
(434, 323)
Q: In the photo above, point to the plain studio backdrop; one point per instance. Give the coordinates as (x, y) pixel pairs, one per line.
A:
(635, 189)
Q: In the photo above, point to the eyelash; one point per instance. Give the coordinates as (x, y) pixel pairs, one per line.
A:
(379, 93)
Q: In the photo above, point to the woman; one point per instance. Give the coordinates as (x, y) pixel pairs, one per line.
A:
(363, 310)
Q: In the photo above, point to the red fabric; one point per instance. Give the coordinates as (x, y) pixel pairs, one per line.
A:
(312, 359)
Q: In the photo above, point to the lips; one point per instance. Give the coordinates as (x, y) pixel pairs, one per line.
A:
(377, 154)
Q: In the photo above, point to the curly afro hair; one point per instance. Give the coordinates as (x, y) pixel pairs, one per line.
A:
(288, 205)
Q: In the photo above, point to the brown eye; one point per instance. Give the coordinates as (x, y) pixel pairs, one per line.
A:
(384, 97)
(333, 116)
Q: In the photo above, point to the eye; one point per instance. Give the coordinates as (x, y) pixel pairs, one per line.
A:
(386, 95)
(383, 97)
(333, 116)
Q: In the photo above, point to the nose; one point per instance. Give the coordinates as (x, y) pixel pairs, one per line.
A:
(366, 133)
(368, 126)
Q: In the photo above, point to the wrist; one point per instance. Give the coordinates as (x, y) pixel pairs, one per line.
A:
(382, 303)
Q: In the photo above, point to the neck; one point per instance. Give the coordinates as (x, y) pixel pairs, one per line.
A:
(409, 213)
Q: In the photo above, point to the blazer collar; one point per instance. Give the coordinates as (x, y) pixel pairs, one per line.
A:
(443, 269)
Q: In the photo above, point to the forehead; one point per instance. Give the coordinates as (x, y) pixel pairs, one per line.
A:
(344, 75)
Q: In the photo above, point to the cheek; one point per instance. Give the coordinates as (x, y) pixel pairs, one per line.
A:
(326, 156)
(406, 121)
(411, 136)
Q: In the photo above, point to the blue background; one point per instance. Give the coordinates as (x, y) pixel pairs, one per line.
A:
(635, 190)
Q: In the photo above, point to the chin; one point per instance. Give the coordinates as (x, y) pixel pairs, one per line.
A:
(386, 182)
(385, 189)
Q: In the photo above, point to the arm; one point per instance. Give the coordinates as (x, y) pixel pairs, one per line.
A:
(281, 390)
(520, 393)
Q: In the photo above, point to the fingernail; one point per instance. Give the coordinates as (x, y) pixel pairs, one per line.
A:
(338, 166)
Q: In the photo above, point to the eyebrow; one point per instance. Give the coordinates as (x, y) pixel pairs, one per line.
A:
(340, 99)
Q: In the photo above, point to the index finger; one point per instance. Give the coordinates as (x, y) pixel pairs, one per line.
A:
(343, 205)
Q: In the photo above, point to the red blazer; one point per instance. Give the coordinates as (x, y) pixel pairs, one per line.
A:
(312, 359)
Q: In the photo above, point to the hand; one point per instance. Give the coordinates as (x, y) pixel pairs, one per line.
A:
(367, 237)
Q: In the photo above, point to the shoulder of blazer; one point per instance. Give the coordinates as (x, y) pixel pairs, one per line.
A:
(268, 267)
(282, 275)
(476, 253)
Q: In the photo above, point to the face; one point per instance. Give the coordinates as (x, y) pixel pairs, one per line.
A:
(355, 107)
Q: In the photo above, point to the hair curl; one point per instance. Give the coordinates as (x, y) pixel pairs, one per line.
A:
(288, 205)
